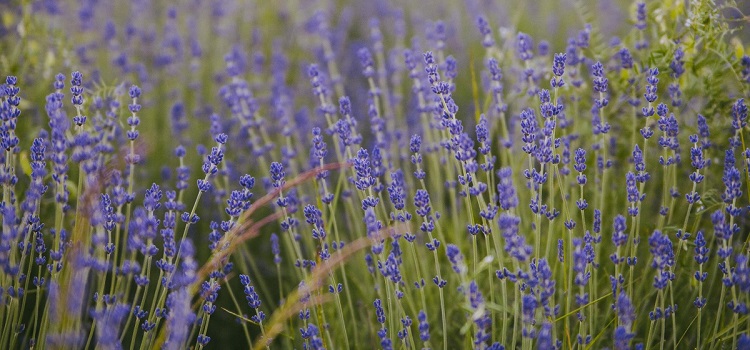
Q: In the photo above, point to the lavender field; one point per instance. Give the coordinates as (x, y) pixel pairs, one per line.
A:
(320, 174)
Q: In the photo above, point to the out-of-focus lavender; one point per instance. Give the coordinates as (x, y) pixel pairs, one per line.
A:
(210, 174)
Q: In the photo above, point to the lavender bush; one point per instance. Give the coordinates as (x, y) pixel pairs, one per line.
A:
(320, 174)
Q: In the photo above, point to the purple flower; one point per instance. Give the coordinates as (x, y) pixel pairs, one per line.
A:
(319, 145)
(422, 202)
(365, 59)
(524, 47)
(641, 174)
(744, 341)
(515, 244)
(396, 191)
(633, 194)
(544, 338)
(431, 69)
(379, 312)
(495, 73)
(528, 309)
(486, 31)
(311, 335)
(252, 298)
(619, 237)
(731, 179)
(456, 258)
(483, 134)
(640, 24)
(76, 88)
(650, 94)
(663, 258)
(108, 326)
(390, 269)
(626, 59)
(424, 326)
(600, 84)
(364, 179)
(277, 174)
(275, 249)
(626, 314)
(558, 69)
(506, 191)
(529, 130)
(314, 216)
(179, 320)
(580, 262)
(739, 114)
(373, 226)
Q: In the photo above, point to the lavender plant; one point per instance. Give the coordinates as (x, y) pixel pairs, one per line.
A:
(477, 186)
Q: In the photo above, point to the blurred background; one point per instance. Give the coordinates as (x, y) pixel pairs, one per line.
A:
(177, 51)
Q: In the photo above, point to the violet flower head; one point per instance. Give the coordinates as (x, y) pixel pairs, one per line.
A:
(364, 179)
(9, 113)
(76, 88)
(134, 107)
(529, 305)
(701, 257)
(677, 65)
(506, 191)
(440, 34)
(456, 259)
(663, 258)
(626, 314)
(483, 135)
(451, 69)
(314, 217)
(486, 31)
(633, 193)
(529, 128)
(739, 114)
(318, 84)
(59, 82)
(515, 244)
(584, 37)
(415, 144)
(723, 231)
(496, 73)
(600, 83)
(431, 68)
(396, 191)
(619, 237)
(365, 59)
(524, 47)
(640, 24)
(544, 338)
(422, 202)
(179, 320)
(641, 174)
(275, 248)
(650, 94)
(253, 299)
(373, 227)
(732, 182)
(319, 145)
(640, 16)
(626, 58)
(580, 262)
(416, 158)
(379, 312)
(277, 175)
(424, 326)
(109, 323)
(558, 69)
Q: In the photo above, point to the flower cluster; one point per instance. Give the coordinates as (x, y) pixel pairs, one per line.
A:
(518, 175)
